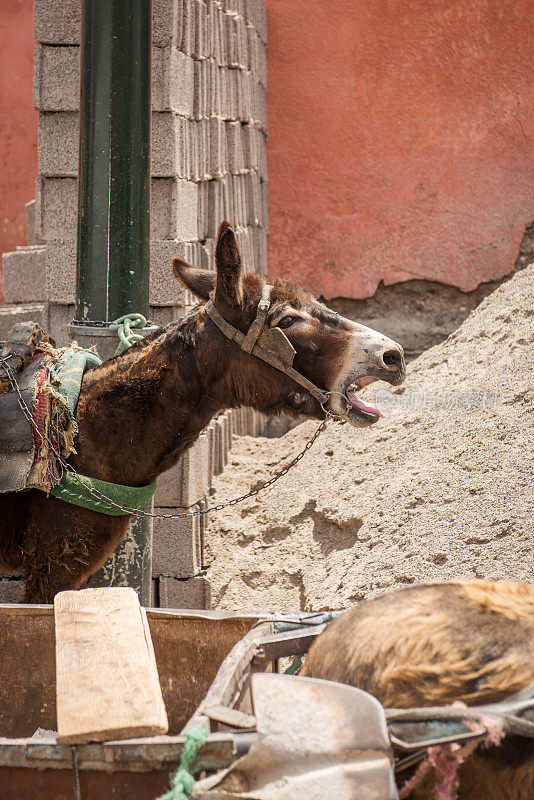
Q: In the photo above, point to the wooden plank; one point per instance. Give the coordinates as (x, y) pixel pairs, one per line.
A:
(107, 684)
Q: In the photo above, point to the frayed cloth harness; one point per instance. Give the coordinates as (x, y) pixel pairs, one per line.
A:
(269, 344)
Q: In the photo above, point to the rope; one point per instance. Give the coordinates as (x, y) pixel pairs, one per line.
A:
(123, 326)
(182, 781)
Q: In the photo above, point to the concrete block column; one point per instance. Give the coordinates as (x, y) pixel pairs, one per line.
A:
(208, 162)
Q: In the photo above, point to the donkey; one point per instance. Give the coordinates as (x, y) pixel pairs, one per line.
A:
(432, 645)
(138, 412)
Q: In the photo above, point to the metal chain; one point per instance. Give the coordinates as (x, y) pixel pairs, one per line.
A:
(139, 511)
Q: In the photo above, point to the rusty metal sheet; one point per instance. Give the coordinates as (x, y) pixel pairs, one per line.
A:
(189, 649)
(316, 739)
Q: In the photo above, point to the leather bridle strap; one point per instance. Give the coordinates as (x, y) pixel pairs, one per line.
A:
(248, 343)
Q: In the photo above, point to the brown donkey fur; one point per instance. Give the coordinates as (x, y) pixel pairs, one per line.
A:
(432, 645)
(140, 411)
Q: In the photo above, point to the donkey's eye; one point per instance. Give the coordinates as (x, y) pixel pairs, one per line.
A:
(285, 322)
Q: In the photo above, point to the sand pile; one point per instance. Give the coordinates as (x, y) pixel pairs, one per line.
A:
(442, 488)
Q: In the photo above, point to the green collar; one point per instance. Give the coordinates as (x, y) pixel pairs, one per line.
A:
(73, 491)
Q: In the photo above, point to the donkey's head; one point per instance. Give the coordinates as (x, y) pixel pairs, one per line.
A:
(332, 355)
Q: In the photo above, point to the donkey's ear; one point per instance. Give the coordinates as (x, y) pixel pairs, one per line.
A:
(199, 281)
(228, 261)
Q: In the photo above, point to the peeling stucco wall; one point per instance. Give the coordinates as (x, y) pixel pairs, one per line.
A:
(401, 141)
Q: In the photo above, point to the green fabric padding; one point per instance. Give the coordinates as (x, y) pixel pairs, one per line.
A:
(71, 490)
(67, 373)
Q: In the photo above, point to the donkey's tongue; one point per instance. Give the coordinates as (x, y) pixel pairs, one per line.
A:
(355, 401)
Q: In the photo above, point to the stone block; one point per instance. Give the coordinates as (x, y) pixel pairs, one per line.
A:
(61, 271)
(188, 593)
(59, 319)
(167, 22)
(174, 211)
(24, 274)
(12, 314)
(177, 550)
(57, 21)
(165, 290)
(172, 81)
(56, 78)
(58, 144)
(56, 208)
(11, 591)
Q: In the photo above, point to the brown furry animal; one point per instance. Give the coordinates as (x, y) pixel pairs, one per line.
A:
(140, 411)
(431, 645)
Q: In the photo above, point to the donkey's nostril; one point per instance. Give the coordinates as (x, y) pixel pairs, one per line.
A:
(392, 359)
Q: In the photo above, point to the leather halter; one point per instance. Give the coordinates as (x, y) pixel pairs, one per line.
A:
(269, 344)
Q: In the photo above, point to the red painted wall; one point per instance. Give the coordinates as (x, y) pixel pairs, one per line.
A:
(18, 121)
(401, 141)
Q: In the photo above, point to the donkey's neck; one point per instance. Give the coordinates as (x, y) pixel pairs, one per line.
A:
(138, 413)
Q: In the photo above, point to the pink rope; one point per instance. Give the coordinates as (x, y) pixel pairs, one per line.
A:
(446, 760)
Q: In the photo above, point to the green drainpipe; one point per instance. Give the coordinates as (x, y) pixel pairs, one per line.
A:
(112, 276)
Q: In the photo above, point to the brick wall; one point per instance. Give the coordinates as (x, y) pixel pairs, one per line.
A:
(208, 163)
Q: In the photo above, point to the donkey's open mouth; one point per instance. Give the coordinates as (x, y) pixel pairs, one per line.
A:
(365, 410)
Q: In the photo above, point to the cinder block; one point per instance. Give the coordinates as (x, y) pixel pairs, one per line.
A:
(172, 81)
(11, 591)
(256, 13)
(59, 319)
(56, 78)
(58, 144)
(167, 21)
(218, 153)
(264, 206)
(24, 274)
(174, 211)
(189, 480)
(201, 30)
(260, 250)
(166, 315)
(165, 290)
(177, 550)
(56, 208)
(171, 149)
(235, 147)
(30, 224)
(187, 42)
(188, 593)
(253, 199)
(261, 71)
(173, 138)
(60, 268)
(11, 315)
(57, 21)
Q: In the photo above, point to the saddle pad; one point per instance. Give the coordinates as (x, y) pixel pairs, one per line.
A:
(17, 447)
